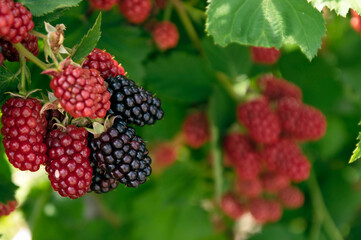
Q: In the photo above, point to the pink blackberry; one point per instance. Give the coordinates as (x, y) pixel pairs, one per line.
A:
(6, 17)
(250, 188)
(165, 35)
(103, 62)
(262, 123)
(196, 129)
(301, 122)
(235, 146)
(273, 182)
(103, 4)
(81, 92)
(232, 207)
(291, 197)
(287, 158)
(135, 11)
(69, 167)
(267, 56)
(248, 167)
(165, 154)
(355, 21)
(7, 208)
(275, 89)
(23, 130)
(10, 52)
(22, 23)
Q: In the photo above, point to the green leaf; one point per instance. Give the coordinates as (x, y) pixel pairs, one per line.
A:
(8, 83)
(89, 41)
(357, 152)
(41, 7)
(266, 23)
(49, 17)
(180, 77)
(341, 7)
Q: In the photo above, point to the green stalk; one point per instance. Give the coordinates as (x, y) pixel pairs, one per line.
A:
(39, 35)
(217, 163)
(321, 210)
(224, 80)
(22, 85)
(24, 52)
(187, 23)
(167, 12)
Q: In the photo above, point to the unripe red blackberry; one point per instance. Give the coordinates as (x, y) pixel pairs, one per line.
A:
(10, 52)
(355, 21)
(196, 129)
(287, 158)
(103, 4)
(248, 167)
(266, 56)
(301, 122)
(236, 146)
(165, 35)
(231, 206)
(250, 188)
(102, 182)
(7, 208)
(81, 92)
(23, 130)
(262, 123)
(291, 197)
(6, 17)
(132, 103)
(103, 62)
(275, 89)
(22, 23)
(122, 154)
(265, 210)
(135, 11)
(273, 182)
(165, 154)
(68, 167)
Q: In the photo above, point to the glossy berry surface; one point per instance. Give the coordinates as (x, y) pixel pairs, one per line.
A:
(102, 182)
(267, 56)
(196, 129)
(135, 11)
(23, 130)
(103, 62)
(10, 52)
(132, 103)
(165, 35)
(121, 154)
(22, 23)
(81, 92)
(6, 17)
(262, 123)
(68, 166)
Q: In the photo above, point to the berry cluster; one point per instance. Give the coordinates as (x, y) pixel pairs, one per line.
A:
(15, 26)
(267, 56)
(165, 34)
(76, 162)
(267, 159)
(7, 208)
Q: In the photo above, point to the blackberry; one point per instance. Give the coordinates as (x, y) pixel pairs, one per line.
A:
(132, 103)
(102, 182)
(10, 52)
(121, 154)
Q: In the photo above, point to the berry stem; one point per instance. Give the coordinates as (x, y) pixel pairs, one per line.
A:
(168, 12)
(321, 210)
(22, 85)
(226, 83)
(217, 162)
(39, 35)
(24, 52)
(194, 11)
(187, 23)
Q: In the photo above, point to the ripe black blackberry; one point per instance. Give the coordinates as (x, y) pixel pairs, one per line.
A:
(51, 116)
(102, 182)
(131, 102)
(121, 154)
